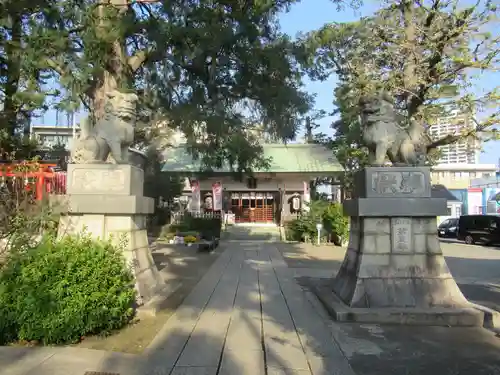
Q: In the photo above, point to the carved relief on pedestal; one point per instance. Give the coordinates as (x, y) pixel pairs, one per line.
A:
(401, 235)
(398, 182)
(96, 180)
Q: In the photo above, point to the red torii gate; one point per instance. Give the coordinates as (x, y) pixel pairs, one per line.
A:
(45, 179)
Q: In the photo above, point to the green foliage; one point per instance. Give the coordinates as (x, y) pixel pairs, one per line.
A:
(22, 74)
(204, 225)
(208, 226)
(161, 186)
(335, 224)
(180, 227)
(302, 229)
(171, 230)
(14, 147)
(22, 217)
(199, 66)
(59, 291)
(425, 54)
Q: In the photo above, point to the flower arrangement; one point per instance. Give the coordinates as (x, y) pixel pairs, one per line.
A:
(190, 239)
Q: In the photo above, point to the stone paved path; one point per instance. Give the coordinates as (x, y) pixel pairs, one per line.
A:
(247, 316)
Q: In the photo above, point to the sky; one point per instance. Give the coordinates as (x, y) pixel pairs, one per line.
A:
(309, 15)
(305, 16)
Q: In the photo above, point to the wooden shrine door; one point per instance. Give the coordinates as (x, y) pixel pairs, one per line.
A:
(253, 207)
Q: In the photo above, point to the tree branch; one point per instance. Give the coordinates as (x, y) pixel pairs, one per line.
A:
(140, 57)
(137, 60)
(417, 100)
(56, 67)
(64, 71)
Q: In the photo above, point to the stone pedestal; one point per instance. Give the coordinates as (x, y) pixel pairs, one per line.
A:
(106, 201)
(394, 270)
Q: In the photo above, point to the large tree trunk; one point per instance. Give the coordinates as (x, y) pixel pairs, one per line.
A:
(9, 114)
(117, 74)
(409, 30)
(107, 83)
(409, 73)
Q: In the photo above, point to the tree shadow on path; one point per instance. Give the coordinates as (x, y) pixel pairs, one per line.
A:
(274, 329)
(410, 350)
(294, 326)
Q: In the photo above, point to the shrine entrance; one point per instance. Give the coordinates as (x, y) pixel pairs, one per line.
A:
(254, 207)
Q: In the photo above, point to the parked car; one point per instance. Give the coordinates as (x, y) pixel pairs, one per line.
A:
(448, 228)
(479, 228)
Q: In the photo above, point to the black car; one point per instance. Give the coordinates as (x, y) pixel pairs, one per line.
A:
(479, 228)
(448, 228)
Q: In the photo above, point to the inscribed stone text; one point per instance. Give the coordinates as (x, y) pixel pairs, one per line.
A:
(401, 234)
(98, 180)
(389, 182)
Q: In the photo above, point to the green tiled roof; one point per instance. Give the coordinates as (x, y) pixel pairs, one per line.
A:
(308, 158)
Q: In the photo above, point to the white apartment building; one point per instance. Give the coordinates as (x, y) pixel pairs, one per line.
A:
(465, 151)
(50, 136)
(460, 176)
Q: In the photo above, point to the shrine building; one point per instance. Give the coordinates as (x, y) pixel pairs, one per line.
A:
(273, 195)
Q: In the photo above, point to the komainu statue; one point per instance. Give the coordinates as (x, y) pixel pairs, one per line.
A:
(386, 138)
(112, 134)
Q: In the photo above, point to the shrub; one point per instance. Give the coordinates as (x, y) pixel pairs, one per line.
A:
(302, 229)
(23, 219)
(335, 224)
(293, 231)
(190, 233)
(207, 225)
(174, 228)
(170, 231)
(59, 291)
(203, 225)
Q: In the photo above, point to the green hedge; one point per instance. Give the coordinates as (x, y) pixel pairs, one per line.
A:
(63, 290)
(206, 225)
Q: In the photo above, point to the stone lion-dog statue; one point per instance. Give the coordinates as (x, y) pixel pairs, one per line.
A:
(385, 138)
(112, 134)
